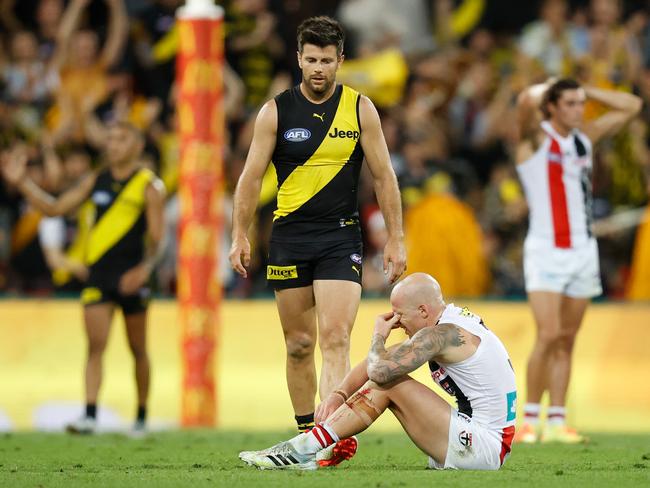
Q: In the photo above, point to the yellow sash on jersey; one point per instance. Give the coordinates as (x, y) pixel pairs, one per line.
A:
(269, 186)
(119, 218)
(327, 161)
(77, 250)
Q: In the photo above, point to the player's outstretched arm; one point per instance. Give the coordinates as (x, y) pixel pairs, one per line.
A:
(14, 169)
(247, 193)
(623, 107)
(386, 187)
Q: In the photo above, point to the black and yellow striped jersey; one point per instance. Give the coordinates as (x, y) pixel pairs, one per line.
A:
(116, 240)
(317, 158)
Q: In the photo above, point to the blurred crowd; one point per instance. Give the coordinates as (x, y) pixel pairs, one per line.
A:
(444, 74)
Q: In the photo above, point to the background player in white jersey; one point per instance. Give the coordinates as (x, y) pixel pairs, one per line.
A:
(554, 161)
(465, 358)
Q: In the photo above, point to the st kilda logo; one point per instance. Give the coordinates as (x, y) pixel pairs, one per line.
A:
(465, 438)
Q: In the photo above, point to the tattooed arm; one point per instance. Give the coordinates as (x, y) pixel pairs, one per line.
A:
(386, 366)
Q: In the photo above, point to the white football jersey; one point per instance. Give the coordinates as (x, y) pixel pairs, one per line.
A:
(557, 183)
(483, 384)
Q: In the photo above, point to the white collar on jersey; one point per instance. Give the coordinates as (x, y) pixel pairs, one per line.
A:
(548, 128)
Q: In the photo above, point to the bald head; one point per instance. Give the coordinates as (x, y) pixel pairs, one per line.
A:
(418, 289)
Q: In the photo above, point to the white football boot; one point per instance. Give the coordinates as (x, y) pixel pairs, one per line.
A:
(83, 425)
(280, 456)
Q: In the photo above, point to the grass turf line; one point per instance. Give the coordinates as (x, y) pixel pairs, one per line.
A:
(209, 458)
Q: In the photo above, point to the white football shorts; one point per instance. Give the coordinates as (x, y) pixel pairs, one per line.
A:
(573, 272)
(471, 446)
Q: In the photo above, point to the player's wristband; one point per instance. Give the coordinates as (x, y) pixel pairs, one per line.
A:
(342, 394)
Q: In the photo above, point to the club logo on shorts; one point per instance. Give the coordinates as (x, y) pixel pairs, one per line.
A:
(356, 258)
(297, 135)
(465, 438)
(90, 295)
(281, 272)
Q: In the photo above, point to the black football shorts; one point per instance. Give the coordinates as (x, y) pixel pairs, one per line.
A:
(298, 264)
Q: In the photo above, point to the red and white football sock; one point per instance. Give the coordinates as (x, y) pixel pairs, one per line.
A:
(556, 415)
(320, 437)
(531, 413)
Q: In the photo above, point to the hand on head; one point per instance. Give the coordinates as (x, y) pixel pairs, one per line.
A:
(386, 322)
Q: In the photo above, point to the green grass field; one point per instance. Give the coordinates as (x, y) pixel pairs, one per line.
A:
(209, 458)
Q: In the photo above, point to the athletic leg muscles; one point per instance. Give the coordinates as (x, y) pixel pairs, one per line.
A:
(136, 332)
(337, 302)
(97, 319)
(571, 313)
(298, 318)
(546, 310)
(423, 414)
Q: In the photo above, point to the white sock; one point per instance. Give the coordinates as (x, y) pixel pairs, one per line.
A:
(531, 413)
(320, 437)
(556, 415)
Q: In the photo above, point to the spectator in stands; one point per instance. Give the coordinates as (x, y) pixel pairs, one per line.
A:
(83, 67)
(155, 41)
(551, 41)
(27, 79)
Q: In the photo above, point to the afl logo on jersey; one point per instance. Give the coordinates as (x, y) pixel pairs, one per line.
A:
(101, 198)
(297, 135)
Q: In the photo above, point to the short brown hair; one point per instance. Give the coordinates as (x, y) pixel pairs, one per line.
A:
(554, 92)
(322, 32)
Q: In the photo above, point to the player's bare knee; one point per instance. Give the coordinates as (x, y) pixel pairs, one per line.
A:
(548, 339)
(336, 342)
(300, 347)
(565, 342)
(96, 348)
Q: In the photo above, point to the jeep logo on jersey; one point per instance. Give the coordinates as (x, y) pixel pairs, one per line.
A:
(345, 134)
(297, 135)
(281, 272)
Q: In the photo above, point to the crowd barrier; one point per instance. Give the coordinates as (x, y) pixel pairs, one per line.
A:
(42, 352)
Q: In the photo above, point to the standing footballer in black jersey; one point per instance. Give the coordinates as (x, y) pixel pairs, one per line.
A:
(317, 135)
(120, 254)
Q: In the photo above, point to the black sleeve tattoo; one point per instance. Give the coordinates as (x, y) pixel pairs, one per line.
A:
(386, 366)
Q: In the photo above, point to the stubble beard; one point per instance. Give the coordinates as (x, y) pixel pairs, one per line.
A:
(320, 90)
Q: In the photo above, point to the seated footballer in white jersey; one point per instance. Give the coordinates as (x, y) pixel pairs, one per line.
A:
(465, 358)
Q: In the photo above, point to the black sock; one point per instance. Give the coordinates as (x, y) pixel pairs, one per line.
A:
(91, 410)
(305, 422)
(142, 414)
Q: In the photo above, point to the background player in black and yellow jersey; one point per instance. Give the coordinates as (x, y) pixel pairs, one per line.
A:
(317, 134)
(121, 250)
